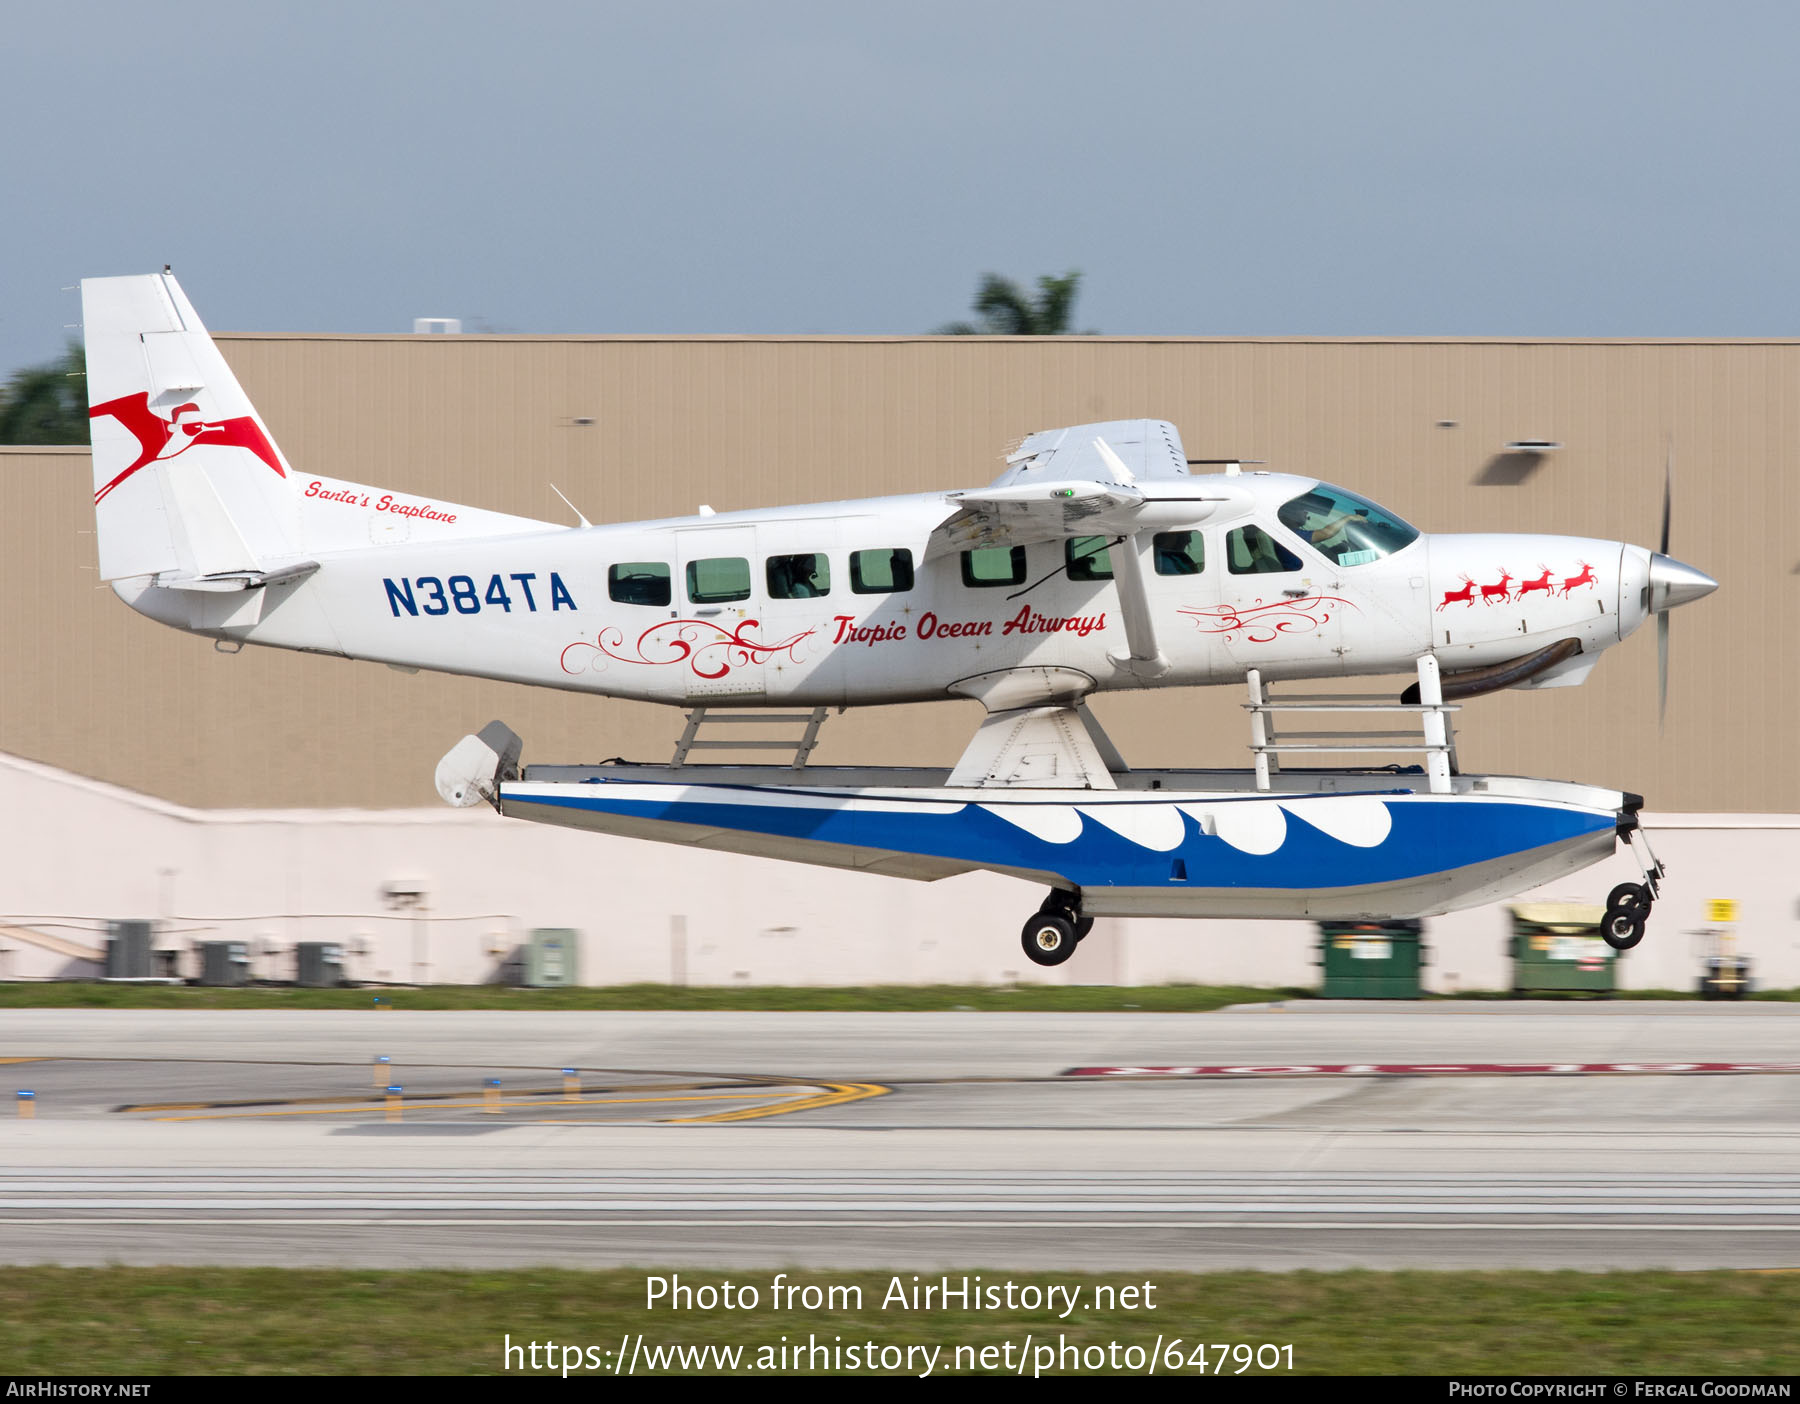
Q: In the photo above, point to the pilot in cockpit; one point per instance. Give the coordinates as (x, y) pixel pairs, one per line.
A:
(1322, 524)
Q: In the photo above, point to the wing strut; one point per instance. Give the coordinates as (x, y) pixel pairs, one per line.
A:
(1145, 659)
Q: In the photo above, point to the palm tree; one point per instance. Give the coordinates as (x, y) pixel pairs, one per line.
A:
(1006, 309)
(46, 404)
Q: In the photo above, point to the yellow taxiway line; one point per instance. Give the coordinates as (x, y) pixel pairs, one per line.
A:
(542, 1095)
(839, 1094)
(836, 1094)
(465, 1106)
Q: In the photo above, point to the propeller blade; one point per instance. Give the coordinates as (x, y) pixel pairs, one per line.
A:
(1662, 618)
(1668, 482)
(1662, 669)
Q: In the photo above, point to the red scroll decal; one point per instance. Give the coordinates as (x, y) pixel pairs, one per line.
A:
(709, 649)
(1261, 623)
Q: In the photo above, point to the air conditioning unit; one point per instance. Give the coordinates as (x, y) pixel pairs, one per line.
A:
(128, 950)
(320, 964)
(224, 963)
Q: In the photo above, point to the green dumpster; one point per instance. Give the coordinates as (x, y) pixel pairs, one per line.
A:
(1558, 946)
(1371, 959)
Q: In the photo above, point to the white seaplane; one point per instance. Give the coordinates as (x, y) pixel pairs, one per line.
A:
(1098, 560)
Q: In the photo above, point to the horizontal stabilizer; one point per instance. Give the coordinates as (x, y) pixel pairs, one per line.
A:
(237, 579)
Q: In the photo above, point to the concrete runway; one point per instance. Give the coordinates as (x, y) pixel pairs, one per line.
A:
(922, 1141)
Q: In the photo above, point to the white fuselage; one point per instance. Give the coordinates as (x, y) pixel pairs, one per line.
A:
(644, 610)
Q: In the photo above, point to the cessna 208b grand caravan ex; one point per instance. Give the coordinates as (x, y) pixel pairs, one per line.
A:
(1097, 561)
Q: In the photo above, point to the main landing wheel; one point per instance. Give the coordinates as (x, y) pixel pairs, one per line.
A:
(1630, 894)
(1623, 927)
(1049, 938)
(1068, 906)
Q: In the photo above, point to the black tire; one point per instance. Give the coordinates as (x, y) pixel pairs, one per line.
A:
(1048, 938)
(1083, 925)
(1623, 927)
(1629, 894)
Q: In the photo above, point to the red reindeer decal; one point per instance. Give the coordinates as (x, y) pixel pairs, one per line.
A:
(1502, 591)
(1541, 583)
(1585, 578)
(1463, 596)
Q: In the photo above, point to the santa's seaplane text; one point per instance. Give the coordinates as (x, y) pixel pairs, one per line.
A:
(1098, 560)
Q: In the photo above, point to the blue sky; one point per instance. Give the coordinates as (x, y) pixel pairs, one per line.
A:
(1578, 168)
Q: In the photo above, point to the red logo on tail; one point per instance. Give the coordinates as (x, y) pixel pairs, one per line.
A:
(160, 438)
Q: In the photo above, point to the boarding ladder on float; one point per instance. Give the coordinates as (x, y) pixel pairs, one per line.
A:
(800, 746)
(1434, 739)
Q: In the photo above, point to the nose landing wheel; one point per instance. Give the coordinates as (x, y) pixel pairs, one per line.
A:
(1627, 909)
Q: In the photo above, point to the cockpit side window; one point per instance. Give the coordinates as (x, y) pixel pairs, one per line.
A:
(1179, 552)
(1345, 528)
(1252, 551)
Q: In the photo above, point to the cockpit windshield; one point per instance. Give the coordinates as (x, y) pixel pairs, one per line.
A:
(1348, 529)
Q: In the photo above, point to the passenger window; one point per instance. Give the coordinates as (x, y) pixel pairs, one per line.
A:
(639, 583)
(1088, 558)
(885, 572)
(1179, 552)
(718, 580)
(1252, 551)
(993, 565)
(799, 577)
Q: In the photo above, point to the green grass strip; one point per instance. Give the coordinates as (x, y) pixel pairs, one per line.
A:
(273, 1321)
(82, 994)
(94, 995)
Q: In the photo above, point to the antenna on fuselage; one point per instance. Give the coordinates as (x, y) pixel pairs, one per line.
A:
(571, 506)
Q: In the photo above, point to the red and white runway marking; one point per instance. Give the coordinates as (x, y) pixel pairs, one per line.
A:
(1426, 1069)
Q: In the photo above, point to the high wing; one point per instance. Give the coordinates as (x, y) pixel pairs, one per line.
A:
(1123, 479)
(1084, 480)
(1147, 448)
(1029, 512)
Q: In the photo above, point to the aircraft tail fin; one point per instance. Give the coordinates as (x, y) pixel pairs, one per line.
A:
(188, 483)
(187, 479)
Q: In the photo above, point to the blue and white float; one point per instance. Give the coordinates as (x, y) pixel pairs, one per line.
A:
(1043, 795)
(1393, 852)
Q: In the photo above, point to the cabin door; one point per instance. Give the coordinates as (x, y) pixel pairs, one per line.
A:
(1279, 609)
(719, 597)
